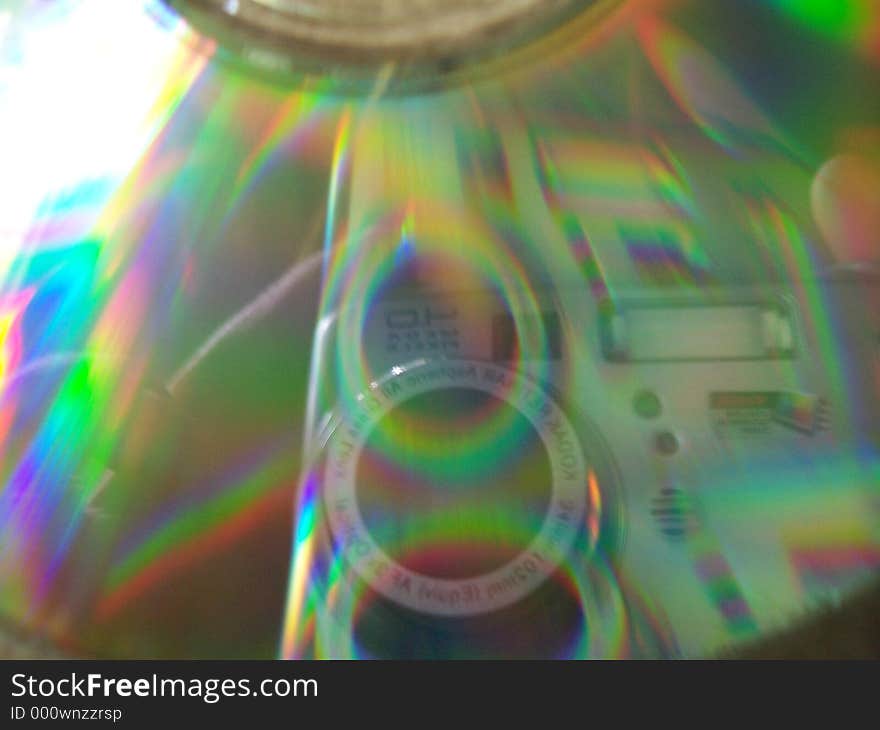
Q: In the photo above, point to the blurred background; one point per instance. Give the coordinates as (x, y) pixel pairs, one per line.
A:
(163, 208)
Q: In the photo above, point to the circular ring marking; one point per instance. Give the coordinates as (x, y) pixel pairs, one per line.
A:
(482, 593)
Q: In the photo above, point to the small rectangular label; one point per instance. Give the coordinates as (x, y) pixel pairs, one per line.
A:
(748, 414)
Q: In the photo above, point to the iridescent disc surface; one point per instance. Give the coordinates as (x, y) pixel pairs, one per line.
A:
(574, 358)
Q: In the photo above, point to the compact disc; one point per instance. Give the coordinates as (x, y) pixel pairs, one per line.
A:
(485, 328)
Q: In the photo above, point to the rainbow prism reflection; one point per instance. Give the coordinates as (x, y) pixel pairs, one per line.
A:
(176, 233)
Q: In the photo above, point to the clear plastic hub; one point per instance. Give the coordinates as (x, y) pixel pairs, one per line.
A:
(420, 37)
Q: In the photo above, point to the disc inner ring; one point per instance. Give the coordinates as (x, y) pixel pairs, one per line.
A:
(519, 573)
